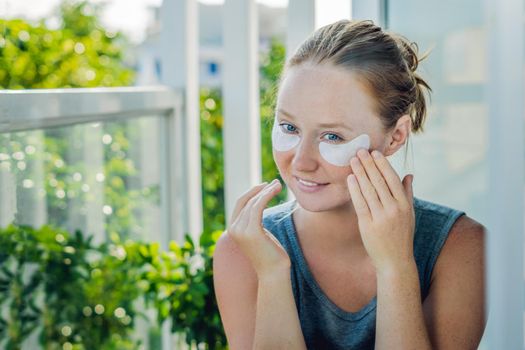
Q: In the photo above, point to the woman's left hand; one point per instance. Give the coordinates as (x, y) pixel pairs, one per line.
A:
(384, 208)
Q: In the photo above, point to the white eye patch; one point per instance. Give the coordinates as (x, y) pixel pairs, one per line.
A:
(340, 154)
(282, 141)
(336, 154)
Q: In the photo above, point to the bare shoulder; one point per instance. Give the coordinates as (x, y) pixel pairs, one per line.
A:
(455, 306)
(230, 264)
(228, 256)
(235, 284)
(465, 244)
(467, 229)
(226, 246)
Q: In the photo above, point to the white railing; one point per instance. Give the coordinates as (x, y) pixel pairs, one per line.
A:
(40, 109)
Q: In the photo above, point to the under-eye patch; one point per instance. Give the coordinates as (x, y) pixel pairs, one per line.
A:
(282, 141)
(336, 154)
(341, 154)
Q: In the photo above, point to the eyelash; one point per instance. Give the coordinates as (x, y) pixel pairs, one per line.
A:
(285, 129)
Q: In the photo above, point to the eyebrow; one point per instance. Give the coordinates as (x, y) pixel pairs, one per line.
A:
(323, 125)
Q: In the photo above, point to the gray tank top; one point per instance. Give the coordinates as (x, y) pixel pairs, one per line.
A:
(325, 326)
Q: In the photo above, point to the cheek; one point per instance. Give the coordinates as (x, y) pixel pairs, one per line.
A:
(282, 160)
(339, 174)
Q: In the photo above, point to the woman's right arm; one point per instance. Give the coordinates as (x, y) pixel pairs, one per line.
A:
(251, 272)
(277, 322)
(257, 313)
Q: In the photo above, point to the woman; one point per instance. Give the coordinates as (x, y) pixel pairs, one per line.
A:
(355, 262)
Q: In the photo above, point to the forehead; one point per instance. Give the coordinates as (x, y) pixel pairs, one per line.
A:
(326, 94)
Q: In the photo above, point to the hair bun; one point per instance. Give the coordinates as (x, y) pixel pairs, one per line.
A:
(409, 50)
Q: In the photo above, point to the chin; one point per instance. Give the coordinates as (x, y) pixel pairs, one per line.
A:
(312, 206)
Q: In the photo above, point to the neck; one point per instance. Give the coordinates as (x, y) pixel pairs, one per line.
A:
(334, 231)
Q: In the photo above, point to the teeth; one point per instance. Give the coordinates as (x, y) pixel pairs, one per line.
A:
(312, 184)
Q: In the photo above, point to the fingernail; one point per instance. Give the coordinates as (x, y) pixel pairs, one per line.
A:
(376, 154)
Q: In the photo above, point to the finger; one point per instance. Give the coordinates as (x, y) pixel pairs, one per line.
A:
(241, 202)
(392, 178)
(361, 208)
(246, 213)
(367, 190)
(409, 189)
(376, 178)
(262, 201)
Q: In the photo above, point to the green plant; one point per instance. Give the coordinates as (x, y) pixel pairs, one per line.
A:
(64, 286)
(181, 289)
(212, 159)
(80, 295)
(272, 63)
(79, 54)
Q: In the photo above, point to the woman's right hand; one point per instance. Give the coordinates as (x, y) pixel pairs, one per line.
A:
(264, 251)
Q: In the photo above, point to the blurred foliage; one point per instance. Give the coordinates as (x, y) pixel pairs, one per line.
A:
(80, 295)
(272, 63)
(78, 54)
(212, 160)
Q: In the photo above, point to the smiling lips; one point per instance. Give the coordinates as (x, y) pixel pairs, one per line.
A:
(309, 186)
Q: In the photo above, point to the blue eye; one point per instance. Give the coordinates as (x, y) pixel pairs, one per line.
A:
(288, 128)
(332, 138)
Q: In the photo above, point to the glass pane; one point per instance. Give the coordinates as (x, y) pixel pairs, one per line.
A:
(101, 178)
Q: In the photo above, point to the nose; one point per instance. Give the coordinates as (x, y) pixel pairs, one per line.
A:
(305, 157)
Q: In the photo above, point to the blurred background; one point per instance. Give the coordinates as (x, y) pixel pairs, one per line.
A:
(128, 128)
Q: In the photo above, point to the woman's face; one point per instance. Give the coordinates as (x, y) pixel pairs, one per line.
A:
(321, 103)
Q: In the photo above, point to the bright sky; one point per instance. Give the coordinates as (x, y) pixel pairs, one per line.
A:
(132, 17)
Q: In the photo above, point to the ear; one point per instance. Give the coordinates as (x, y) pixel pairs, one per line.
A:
(399, 135)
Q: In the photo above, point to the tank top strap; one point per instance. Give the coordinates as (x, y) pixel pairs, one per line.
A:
(433, 224)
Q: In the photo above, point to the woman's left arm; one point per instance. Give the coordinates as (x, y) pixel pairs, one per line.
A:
(453, 311)
(452, 316)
